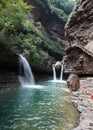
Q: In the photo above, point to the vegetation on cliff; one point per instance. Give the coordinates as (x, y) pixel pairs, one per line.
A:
(72, 12)
(62, 8)
(18, 34)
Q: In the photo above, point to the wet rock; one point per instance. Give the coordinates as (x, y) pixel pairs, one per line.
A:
(73, 82)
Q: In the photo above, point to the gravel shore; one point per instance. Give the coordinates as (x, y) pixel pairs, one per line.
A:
(84, 103)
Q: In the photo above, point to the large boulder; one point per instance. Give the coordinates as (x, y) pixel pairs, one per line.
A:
(73, 82)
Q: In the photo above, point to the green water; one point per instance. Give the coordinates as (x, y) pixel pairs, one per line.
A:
(36, 109)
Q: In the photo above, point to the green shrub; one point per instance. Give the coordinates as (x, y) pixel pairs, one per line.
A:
(62, 8)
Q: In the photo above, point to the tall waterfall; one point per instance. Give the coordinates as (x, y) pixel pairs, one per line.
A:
(26, 76)
(54, 73)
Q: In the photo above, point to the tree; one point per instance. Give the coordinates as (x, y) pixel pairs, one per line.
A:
(12, 15)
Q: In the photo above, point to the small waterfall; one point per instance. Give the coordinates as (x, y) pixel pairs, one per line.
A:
(54, 73)
(26, 76)
(61, 73)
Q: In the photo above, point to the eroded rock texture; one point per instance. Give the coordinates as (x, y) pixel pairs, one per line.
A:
(79, 58)
(73, 82)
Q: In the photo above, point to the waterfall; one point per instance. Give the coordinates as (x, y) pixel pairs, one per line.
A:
(54, 73)
(61, 73)
(26, 76)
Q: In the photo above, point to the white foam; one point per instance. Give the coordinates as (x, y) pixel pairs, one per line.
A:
(33, 86)
(57, 81)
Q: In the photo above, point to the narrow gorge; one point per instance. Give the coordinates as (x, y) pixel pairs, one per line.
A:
(42, 43)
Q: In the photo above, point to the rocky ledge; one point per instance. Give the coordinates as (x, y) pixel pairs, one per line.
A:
(84, 103)
(8, 81)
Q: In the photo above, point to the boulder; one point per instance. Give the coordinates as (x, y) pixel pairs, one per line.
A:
(73, 82)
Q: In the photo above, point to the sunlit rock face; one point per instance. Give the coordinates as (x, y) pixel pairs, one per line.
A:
(79, 57)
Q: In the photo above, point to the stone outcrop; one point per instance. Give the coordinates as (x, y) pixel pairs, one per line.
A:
(78, 60)
(73, 82)
(79, 57)
(80, 25)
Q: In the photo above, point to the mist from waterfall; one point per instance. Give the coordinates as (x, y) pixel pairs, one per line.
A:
(25, 73)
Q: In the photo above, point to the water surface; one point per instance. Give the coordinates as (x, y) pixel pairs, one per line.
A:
(39, 108)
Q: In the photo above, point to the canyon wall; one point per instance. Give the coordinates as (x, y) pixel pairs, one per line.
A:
(52, 25)
(79, 53)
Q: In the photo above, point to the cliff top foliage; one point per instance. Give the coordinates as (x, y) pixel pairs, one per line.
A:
(18, 34)
(74, 7)
(62, 8)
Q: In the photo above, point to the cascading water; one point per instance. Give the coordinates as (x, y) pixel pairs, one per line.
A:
(54, 73)
(26, 76)
(61, 73)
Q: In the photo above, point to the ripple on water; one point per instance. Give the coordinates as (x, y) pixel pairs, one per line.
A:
(36, 109)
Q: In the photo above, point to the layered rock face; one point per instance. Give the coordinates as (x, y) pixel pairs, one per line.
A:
(79, 58)
(80, 27)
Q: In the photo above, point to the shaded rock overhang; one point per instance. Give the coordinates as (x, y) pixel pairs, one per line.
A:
(78, 60)
(79, 53)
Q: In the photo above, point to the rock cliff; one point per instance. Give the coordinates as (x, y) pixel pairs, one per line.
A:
(52, 25)
(79, 58)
